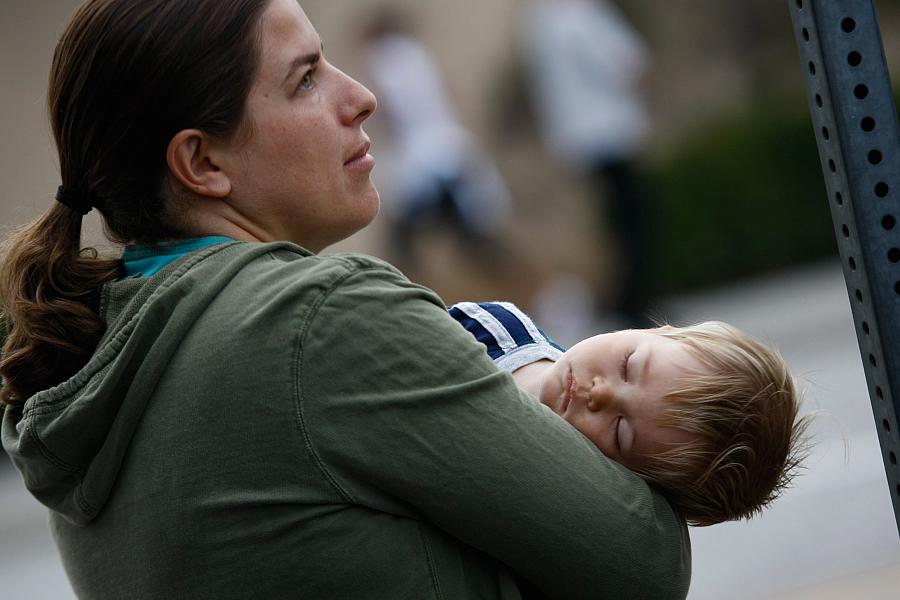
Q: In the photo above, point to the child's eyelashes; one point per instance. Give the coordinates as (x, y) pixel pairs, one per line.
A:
(618, 445)
(623, 368)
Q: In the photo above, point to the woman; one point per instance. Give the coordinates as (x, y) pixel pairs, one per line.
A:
(226, 414)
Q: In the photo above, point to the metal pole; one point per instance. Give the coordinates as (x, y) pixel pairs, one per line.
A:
(855, 120)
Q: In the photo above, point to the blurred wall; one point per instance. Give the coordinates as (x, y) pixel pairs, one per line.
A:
(711, 57)
(28, 169)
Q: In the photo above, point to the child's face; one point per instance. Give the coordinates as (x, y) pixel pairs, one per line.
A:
(612, 388)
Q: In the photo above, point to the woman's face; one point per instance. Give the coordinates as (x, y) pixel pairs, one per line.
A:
(302, 175)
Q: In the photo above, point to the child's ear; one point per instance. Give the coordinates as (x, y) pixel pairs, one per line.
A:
(191, 162)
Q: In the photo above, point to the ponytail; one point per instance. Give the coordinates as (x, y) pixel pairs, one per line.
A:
(48, 287)
(127, 75)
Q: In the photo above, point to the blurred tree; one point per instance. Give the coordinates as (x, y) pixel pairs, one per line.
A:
(743, 196)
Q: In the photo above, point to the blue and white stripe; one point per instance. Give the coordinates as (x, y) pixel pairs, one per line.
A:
(510, 336)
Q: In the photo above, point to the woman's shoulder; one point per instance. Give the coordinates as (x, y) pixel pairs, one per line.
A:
(287, 265)
(250, 273)
(243, 274)
(340, 261)
(279, 264)
(274, 254)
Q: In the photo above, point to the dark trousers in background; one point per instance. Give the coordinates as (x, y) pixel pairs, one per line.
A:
(441, 210)
(628, 217)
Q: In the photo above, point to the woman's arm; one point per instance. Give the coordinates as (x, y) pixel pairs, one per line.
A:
(399, 403)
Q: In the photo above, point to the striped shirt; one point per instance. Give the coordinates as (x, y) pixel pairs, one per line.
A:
(510, 336)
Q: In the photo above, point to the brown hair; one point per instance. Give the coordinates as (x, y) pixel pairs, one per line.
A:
(744, 410)
(127, 75)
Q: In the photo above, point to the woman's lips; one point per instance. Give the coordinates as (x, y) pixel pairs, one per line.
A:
(362, 161)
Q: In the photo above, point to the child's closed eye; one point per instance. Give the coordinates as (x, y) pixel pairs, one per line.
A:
(616, 431)
(623, 368)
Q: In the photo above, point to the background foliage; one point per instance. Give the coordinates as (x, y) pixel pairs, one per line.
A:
(743, 196)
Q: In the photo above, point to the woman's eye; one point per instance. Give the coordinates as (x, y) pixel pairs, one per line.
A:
(307, 82)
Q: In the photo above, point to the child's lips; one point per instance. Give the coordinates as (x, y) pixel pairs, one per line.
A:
(569, 391)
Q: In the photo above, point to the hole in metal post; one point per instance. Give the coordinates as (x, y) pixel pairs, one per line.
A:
(812, 68)
(839, 198)
(875, 157)
(887, 425)
(854, 59)
(879, 393)
(897, 288)
(882, 189)
(832, 166)
(845, 231)
(825, 133)
(818, 101)
(805, 34)
(868, 124)
(848, 25)
(872, 360)
(894, 255)
(865, 328)
(893, 458)
(800, 4)
(888, 222)
(861, 91)
(858, 296)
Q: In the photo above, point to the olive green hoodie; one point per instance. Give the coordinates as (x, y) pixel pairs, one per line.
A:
(261, 422)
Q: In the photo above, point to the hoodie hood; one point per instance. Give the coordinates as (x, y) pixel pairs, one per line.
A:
(69, 441)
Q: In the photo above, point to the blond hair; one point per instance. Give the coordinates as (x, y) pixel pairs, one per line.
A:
(744, 411)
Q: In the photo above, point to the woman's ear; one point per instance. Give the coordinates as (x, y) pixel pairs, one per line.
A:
(190, 162)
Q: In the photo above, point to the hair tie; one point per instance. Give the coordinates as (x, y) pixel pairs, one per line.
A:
(74, 200)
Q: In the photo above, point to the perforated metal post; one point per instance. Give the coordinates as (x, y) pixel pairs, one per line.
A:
(855, 121)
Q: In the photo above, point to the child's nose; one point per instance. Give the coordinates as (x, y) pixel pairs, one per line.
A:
(600, 394)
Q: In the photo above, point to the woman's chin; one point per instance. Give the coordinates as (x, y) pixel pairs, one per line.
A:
(370, 206)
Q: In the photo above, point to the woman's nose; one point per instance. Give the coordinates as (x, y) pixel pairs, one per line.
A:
(600, 394)
(359, 103)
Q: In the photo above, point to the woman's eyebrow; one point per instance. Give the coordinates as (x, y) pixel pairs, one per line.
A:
(306, 59)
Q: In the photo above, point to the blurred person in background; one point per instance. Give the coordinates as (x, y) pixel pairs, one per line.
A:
(439, 172)
(585, 65)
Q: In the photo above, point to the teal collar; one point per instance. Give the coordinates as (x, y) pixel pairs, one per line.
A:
(144, 261)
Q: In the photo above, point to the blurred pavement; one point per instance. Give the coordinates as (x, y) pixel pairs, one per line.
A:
(832, 536)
